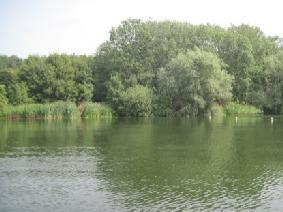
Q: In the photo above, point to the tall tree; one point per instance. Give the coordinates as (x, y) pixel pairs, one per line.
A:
(192, 82)
(58, 77)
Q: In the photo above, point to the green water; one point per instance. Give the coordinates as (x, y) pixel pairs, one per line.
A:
(142, 164)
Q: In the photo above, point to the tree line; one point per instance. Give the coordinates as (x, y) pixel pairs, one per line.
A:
(156, 68)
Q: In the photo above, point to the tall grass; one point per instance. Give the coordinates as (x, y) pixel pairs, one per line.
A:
(239, 109)
(96, 110)
(56, 110)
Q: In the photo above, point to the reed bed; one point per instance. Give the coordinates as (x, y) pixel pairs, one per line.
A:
(96, 110)
(56, 110)
(240, 109)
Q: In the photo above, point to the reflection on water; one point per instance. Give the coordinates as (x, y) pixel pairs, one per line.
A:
(144, 164)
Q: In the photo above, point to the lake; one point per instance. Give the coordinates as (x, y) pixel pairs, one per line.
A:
(142, 164)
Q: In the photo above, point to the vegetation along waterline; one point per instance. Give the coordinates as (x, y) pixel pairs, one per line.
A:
(56, 110)
(90, 110)
(150, 68)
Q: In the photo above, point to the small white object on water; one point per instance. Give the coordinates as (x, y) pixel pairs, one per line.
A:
(271, 120)
(236, 118)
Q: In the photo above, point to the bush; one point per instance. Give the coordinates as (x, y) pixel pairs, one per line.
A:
(136, 101)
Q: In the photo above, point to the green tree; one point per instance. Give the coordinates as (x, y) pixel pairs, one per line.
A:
(236, 51)
(272, 98)
(18, 94)
(136, 101)
(192, 82)
(58, 77)
(137, 50)
(125, 54)
(3, 98)
(9, 62)
(246, 50)
(132, 101)
(8, 76)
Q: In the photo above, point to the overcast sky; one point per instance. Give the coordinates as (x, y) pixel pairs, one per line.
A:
(79, 26)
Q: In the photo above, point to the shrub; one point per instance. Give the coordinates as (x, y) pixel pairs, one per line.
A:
(136, 101)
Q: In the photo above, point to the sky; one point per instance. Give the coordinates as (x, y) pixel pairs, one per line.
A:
(79, 26)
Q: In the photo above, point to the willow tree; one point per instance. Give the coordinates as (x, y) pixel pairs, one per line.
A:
(192, 82)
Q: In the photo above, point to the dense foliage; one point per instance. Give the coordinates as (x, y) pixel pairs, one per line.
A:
(192, 82)
(58, 77)
(156, 68)
(270, 94)
(135, 101)
(3, 98)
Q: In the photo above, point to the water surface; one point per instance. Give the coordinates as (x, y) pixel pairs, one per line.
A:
(142, 164)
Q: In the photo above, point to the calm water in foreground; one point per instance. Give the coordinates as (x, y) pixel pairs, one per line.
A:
(138, 164)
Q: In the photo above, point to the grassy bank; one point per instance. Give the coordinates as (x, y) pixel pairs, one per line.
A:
(56, 110)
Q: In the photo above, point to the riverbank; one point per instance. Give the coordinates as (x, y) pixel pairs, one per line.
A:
(90, 110)
(56, 110)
